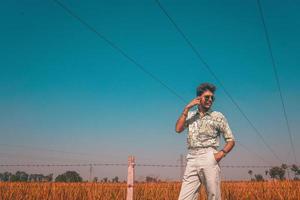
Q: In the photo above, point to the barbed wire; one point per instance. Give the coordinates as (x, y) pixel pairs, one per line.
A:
(137, 164)
(63, 165)
(42, 185)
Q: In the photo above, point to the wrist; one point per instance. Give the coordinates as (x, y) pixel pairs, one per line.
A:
(224, 153)
(184, 114)
(185, 111)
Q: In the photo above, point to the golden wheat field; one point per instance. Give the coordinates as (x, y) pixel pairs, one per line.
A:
(272, 190)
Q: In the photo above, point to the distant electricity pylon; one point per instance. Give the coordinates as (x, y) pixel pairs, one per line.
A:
(181, 166)
(91, 172)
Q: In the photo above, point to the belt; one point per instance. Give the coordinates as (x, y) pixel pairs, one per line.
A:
(201, 150)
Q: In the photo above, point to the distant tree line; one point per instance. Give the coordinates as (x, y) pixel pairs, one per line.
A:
(276, 173)
(20, 176)
(68, 176)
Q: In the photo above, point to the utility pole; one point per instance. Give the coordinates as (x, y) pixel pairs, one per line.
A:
(130, 177)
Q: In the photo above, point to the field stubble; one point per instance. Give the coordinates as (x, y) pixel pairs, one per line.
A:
(271, 190)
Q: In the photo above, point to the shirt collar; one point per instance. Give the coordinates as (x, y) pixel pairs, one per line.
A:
(206, 113)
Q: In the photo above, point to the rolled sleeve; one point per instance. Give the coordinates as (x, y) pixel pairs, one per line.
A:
(190, 119)
(225, 130)
(187, 121)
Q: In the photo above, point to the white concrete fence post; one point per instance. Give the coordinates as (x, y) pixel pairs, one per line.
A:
(130, 177)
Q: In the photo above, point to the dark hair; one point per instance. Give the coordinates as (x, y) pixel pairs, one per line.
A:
(205, 86)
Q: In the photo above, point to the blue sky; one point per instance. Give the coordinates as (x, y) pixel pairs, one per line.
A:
(62, 87)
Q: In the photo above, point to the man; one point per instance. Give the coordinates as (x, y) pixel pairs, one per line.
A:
(204, 129)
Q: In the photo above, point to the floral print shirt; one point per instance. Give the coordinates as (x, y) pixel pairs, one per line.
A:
(205, 131)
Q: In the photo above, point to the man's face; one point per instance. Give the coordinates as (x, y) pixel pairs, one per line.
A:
(206, 99)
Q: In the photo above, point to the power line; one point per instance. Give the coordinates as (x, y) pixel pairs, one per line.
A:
(214, 75)
(276, 76)
(118, 49)
(122, 52)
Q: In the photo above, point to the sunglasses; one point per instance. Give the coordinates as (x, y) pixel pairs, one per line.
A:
(206, 97)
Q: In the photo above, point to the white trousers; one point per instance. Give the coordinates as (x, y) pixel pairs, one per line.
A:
(202, 168)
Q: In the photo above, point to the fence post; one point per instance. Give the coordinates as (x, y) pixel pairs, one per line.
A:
(130, 177)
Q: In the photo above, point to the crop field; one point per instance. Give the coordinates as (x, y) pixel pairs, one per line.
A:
(271, 190)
